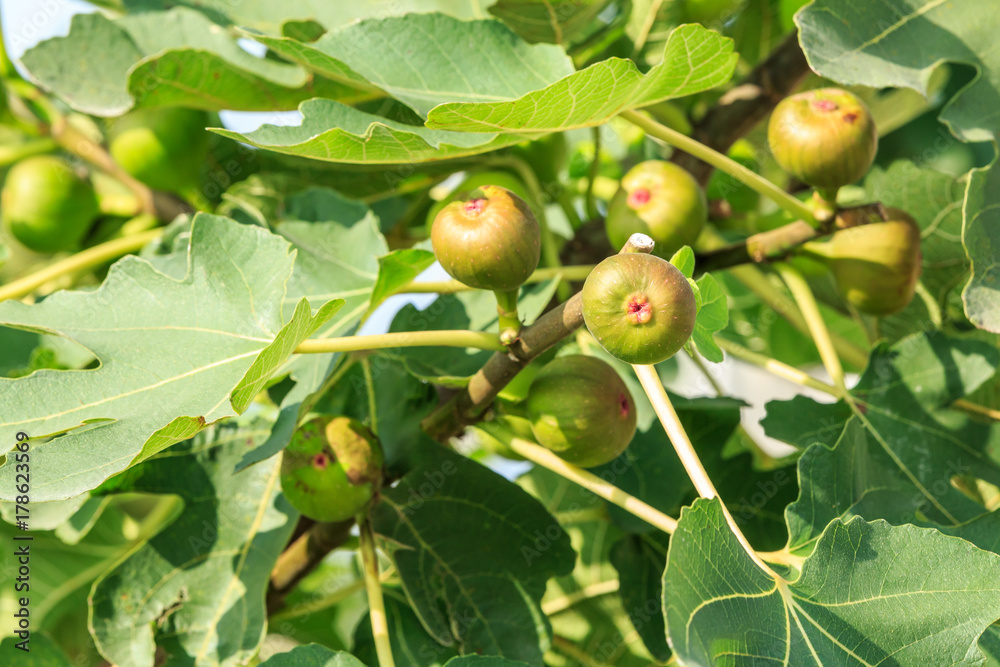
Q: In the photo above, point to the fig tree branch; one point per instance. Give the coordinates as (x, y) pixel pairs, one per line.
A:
(302, 556)
(741, 108)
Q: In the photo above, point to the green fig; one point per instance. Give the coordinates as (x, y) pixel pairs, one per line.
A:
(504, 179)
(331, 469)
(488, 239)
(877, 265)
(639, 307)
(46, 205)
(661, 200)
(164, 148)
(580, 408)
(824, 137)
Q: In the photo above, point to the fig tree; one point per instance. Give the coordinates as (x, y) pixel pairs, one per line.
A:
(877, 265)
(162, 147)
(661, 200)
(487, 238)
(824, 137)
(580, 408)
(331, 469)
(639, 307)
(47, 205)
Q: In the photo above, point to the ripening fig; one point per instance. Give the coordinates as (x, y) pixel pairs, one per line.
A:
(639, 307)
(877, 265)
(162, 147)
(580, 408)
(661, 200)
(504, 179)
(487, 238)
(824, 137)
(46, 205)
(331, 469)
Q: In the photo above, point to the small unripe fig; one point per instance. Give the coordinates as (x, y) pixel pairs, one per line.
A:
(824, 137)
(488, 239)
(331, 469)
(46, 205)
(162, 147)
(661, 200)
(580, 408)
(877, 265)
(639, 307)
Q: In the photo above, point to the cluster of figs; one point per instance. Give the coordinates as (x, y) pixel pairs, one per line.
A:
(637, 305)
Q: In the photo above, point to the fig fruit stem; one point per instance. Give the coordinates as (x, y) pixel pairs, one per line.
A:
(81, 261)
(510, 324)
(366, 368)
(722, 163)
(568, 273)
(804, 297)
(373, 584)
(327, 601)
(588, 480)
(592, 172)
(445, 338)
(664, 409)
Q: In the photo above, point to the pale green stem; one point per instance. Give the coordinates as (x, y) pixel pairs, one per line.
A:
(376, 604)
(595, 165)
(81, 261)
(722, 163)
(568, 601)
(458, 338)
(570, 273)
(331, 600)
(774, 366)
(571, 650)
(588, 480)
(510, 325)
(664, 410)
(932, 305)
(366, 368)
(817, 326)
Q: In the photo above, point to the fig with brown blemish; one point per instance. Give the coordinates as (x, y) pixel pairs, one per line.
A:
(332, 468)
